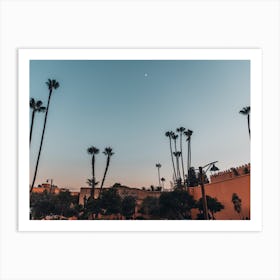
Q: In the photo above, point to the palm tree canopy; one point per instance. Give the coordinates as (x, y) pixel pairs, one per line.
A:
(177, 154)
(245, 110)
(92, 150)
(32, 103)
(174, 136)
(180, 129)
(52, 84)
(108, 151)
(158, 165)
(36, 105)
(188, 132)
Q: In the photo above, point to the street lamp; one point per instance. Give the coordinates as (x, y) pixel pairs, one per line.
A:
(201, 181)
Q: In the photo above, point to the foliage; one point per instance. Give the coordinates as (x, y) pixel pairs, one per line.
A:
(150, 206)
(128, 207)
(213, 205)
(46, 204)
(237, 205)
(176, 205)
(110, 202)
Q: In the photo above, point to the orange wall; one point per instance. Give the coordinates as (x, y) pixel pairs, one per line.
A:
(223, 192)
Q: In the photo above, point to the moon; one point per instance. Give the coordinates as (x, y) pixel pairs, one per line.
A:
(146, 75)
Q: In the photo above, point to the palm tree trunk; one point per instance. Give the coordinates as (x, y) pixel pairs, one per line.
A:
(189, 153)
(104, 176)
(31, 128)
(159, 177)
(41, 143)
(172, 157)
(182, 161)
(248, 118)
(93, 177)
(178, 168)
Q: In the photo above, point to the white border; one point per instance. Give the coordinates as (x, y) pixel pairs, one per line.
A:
(254, 55)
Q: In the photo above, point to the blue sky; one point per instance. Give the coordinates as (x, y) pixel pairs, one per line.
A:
(129, 105)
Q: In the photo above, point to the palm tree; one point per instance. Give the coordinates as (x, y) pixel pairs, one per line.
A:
(92, 151)
(181, 130)
(36, 106)
(174, 137)
(177, 155)
(162, 182)
(158, 165)
(52, 84)
(169, 135)
(188, 134)
(108, 152)
(246, 112)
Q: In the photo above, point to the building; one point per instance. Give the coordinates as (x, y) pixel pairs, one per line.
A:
(223, 185)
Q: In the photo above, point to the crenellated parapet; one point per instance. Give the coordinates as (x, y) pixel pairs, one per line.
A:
(230, 173)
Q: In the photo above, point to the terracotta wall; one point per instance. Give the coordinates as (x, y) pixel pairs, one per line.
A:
(223, 191)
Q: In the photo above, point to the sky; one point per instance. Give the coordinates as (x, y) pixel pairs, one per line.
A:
(129, 105)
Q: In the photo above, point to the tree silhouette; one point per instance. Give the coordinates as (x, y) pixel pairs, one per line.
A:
(213, 204)
(177, 155)
(188, 134)
(162, 182)
(169, 135)
(181, 130)
(158, 165)
(128, 207)
(236, 200)
(92, 151)
(246, 112)
(52, 84)
(176, 205)
(108, 152)
(36, 106)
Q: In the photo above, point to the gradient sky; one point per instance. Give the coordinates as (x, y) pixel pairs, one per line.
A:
(129, 105)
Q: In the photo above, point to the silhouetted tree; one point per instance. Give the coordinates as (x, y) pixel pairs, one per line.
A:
(36, 106)
(176, 205)
(92, 151)
(180, 130)
(52, 84)
(169, 135)
(246, 112)
(158, 166)
(110, 202)
(213, 205)
(162, 182)
(188, 134)
(150, 206)
(128, 207)
(177, 155)
(108, 152)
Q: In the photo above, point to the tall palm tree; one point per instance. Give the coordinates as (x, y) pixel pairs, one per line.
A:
(108, 152)
(162, 182)
(181, 130)
(36, 106)
(169, 135)
(158, 165)
(52, 84)
(92, 151)
(188, 134)
(246, 112)
(177, 155)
